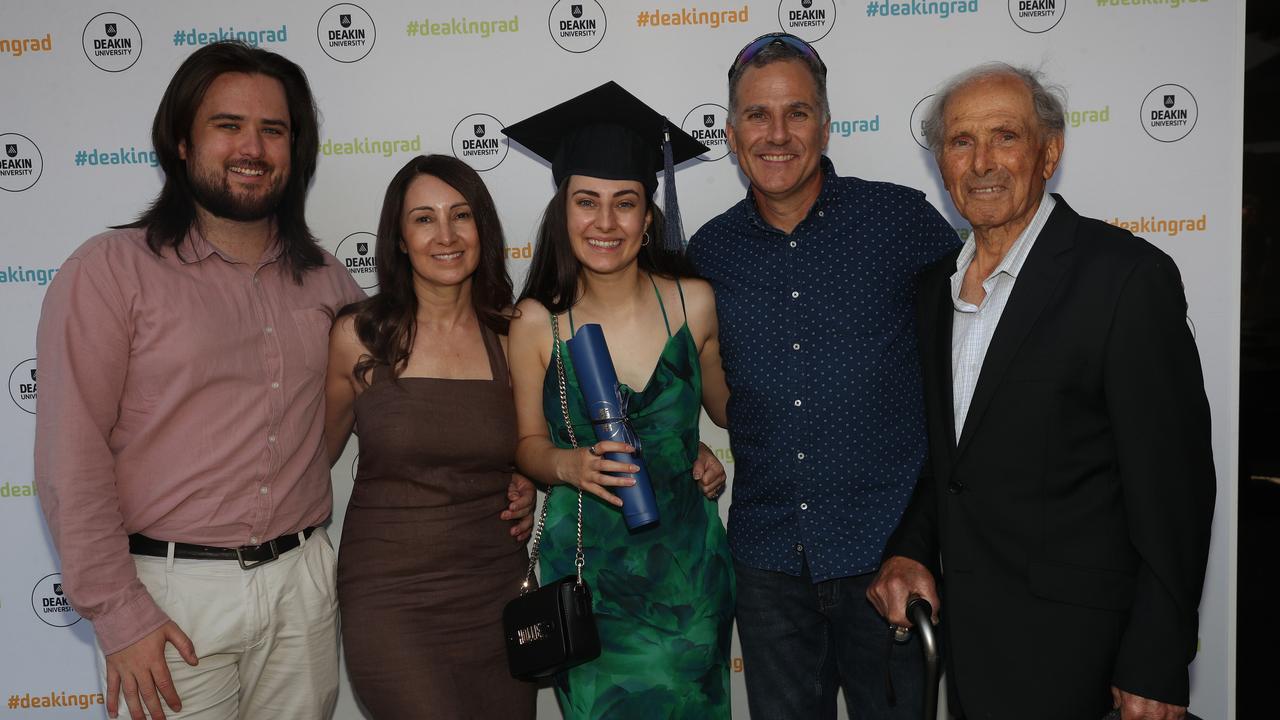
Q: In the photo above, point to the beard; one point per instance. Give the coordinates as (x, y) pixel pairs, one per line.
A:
(212, 190)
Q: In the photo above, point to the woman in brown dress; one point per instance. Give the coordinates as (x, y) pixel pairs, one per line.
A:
(429, 552)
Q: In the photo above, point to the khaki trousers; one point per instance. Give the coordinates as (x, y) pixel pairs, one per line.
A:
(266, 638)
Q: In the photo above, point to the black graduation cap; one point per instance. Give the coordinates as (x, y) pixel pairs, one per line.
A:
(609, 133)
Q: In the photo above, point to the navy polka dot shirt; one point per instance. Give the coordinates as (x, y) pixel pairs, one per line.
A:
(817, 335)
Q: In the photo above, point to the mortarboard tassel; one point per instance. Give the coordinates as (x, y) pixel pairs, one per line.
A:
(674, 240)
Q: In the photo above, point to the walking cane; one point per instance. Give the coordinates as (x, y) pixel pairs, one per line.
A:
(920, 613)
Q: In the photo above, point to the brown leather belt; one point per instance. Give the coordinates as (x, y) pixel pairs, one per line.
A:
(249, 556)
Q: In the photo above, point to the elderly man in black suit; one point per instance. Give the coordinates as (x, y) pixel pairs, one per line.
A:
(1070, 488)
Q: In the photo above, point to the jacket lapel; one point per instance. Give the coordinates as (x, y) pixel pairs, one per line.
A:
(935, 354)
(1043, 270)
(945, 319)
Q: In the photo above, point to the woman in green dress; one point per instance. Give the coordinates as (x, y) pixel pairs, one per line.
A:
(663, 595)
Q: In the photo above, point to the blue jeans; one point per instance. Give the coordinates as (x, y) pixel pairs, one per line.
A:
(801, 642)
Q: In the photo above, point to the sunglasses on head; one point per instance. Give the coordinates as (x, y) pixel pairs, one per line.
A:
(754, 47)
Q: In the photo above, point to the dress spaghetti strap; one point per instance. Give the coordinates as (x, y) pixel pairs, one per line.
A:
(661, 305)
(683, 310)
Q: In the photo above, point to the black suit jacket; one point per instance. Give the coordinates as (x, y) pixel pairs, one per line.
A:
(1072, 515)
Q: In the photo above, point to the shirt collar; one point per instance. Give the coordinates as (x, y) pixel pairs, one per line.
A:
(1013, 260)
(195, 248)
(1017, 255)
(825, 197)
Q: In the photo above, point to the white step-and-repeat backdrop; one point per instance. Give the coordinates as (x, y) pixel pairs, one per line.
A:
(1153, 144)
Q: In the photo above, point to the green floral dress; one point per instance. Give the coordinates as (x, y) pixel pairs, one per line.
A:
(663, 595)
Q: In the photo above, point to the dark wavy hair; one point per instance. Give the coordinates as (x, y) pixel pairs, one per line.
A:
(387, 322)
(173, 212)
(554, 270)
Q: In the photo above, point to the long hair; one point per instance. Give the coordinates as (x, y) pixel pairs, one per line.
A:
(387, 322)
(553, 278)
(173, 212)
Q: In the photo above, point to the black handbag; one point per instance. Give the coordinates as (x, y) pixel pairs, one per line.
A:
(550, 629)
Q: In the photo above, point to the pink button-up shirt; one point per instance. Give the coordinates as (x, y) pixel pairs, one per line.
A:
(182, 399)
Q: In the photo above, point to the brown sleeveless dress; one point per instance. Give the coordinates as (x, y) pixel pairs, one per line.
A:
(426, 565)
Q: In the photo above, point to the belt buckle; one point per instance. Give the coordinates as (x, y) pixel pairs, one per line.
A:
(275, 555)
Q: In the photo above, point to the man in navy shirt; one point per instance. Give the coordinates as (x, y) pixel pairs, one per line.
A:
(815, 280)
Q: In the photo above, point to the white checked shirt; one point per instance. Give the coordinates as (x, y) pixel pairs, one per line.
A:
(972, 326)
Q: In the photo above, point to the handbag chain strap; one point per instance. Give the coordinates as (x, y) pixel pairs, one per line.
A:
(580, 558)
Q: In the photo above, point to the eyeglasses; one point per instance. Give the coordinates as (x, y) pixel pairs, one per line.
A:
(754, 47)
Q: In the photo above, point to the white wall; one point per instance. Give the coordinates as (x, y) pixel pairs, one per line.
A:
(428, 90)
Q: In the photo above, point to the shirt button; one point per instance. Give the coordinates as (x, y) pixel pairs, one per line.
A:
(795, 294)
(799, 547)
(797, 403)
(271, 438)
(800, 456)
(793, 243)
(275, 386)
(262, 490)
(253, 540)
(803, 506)
(795, 346)
(268, 330)
(256, 281)
(821, 214)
